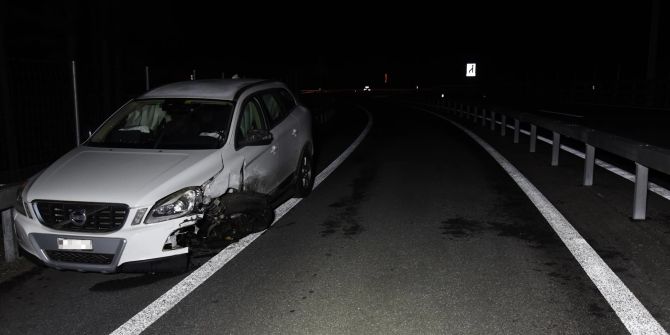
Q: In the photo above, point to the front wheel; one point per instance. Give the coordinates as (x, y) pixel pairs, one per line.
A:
(304, 174)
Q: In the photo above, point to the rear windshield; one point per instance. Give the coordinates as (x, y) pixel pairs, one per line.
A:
(166, 124)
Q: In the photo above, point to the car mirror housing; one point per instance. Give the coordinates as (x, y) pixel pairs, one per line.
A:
(257, 137)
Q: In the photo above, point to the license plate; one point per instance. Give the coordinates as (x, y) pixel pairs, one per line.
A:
(72, 244)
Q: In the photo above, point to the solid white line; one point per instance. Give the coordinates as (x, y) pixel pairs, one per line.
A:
(172, 297)
(635, 317)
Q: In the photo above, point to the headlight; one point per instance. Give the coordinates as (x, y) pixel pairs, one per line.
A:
(18, 204)
(175, 205)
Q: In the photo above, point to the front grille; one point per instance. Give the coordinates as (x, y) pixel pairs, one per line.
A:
(80, 257)
(99, 217)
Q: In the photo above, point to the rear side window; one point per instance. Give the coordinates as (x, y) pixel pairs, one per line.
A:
(287, 100)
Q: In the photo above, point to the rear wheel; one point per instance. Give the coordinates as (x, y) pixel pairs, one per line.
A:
(304, 174)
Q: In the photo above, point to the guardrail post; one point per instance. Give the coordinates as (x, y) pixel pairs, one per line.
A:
(493, 120)
(640, 197)
(555, 149)
(517, 129)
(503, 124)
(11, 248)
(589, 162)
(483, 117)
(533, 137)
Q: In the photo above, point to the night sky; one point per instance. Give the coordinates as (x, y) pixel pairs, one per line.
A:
(344, 44)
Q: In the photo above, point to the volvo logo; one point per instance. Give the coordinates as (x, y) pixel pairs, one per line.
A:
(78, 217)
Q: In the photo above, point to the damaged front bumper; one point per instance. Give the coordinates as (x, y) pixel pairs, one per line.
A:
(134, 248)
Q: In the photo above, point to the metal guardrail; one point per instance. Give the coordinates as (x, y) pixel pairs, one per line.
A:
(7, 199)
(644, 155)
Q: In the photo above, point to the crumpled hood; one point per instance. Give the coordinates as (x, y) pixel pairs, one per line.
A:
(136, 177)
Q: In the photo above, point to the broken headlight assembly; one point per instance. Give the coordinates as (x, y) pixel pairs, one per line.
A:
(181, 203)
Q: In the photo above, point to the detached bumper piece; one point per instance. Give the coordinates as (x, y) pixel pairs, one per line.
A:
(178, 263)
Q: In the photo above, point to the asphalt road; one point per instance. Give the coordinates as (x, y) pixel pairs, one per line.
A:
(419, 231)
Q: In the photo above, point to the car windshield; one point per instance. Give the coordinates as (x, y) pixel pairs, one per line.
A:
(166, 124)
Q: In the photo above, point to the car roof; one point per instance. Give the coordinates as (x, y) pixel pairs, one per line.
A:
(218, 89)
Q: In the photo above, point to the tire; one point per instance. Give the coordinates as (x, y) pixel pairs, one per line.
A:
(249, 212)
(241, 213)
(304, 174)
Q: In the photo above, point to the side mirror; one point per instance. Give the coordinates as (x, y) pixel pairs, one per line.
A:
(257, 137)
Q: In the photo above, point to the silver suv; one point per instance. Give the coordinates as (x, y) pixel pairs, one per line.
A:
(185, 164)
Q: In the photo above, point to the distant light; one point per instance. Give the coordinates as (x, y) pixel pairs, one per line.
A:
(593, 87)
(417, 87)
(386, 78)
(366, 88)
(471, 69)
(442, 95)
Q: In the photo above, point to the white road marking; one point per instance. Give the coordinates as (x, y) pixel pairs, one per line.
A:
(635, 317)
(172, 297)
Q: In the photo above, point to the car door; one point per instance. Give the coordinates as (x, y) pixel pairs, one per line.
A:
(295, 126)
(261, 162)
(283, 129)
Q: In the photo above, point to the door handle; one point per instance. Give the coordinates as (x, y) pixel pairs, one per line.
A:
(294, 132)
(273, 149)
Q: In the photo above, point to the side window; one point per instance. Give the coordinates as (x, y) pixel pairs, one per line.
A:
(274, 108)
(251, 118)
(287, 100)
